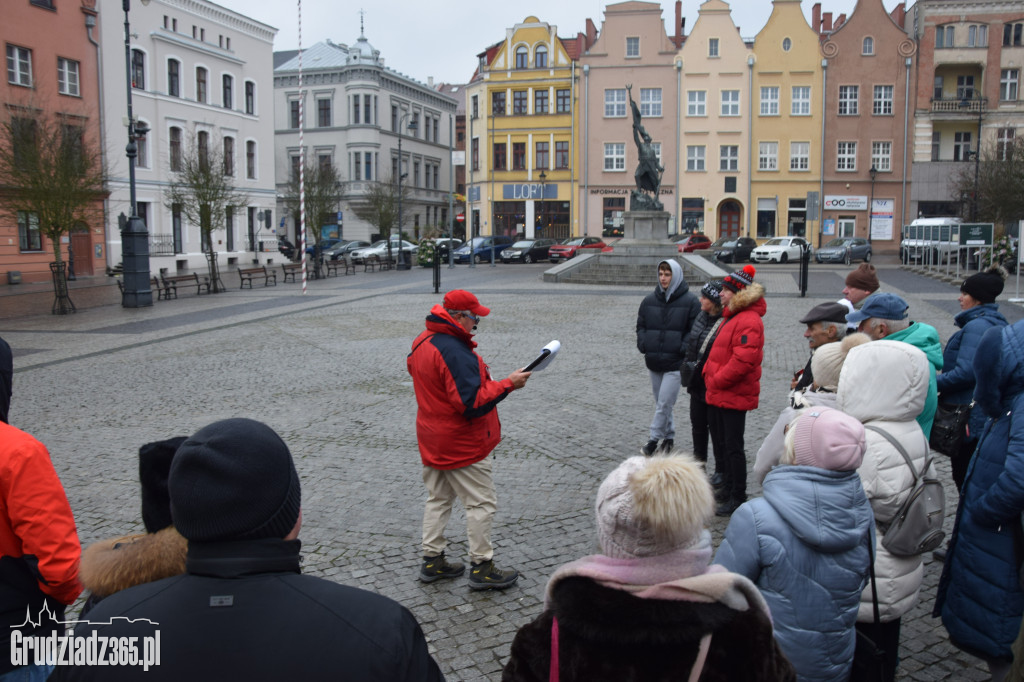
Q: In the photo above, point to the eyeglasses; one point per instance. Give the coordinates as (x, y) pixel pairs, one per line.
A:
(476, 320)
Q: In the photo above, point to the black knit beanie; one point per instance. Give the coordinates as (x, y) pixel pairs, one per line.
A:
(985, 286)
(154, 468)
(234, 480)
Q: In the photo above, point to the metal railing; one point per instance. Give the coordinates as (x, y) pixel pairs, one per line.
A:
(161, 245)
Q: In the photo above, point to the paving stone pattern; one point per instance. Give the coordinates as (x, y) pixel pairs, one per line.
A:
(327, 371)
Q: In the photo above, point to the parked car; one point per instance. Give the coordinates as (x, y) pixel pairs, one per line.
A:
(931, 240)
(344, 247)
(733, 249)
(380, 249)
(570, 248)
(479, 249)
(425, 255)
(324, 244)
(527, 250)
(844, 250)
(286, 248)
(693, 242)
(780, 250)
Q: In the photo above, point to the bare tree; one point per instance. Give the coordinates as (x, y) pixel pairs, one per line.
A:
(203, 190)
(379, 206)
(323, 189)
(52, 177)
(1000, 184)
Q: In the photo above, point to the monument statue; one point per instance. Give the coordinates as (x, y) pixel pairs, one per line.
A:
(648, 170)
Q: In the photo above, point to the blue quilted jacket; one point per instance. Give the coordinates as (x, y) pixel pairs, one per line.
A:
(805, 546)
(979, 596)
(956, 383)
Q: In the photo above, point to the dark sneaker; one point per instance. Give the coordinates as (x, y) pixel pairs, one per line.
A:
(729, 506)
(649, 449)
(487, 576)
(717, 481)
(437, 567)
(666, 446)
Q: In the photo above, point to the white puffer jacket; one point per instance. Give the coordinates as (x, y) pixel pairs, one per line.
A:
(884, 384)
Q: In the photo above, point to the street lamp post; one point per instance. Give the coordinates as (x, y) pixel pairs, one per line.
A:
(401, 264)
(134, 236)
(979, 104)
(871, 204)
(543, 184)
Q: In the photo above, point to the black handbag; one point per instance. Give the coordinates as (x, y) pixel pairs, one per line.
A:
(686, 372)
(949, 430)
(868, 658)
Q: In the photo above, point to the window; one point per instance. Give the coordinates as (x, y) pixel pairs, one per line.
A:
(770, 101)
(848, 100)
(498, 103)
(324, 162)
(801, 101)
(540, 101)
(1004, 143)
(787, 44)
(1013, 35)
(518, 156)
(295, 114)
(229, 228)
(881, 103)
(965, 87)
(367, 165)
(881, 156)
(67, 76)
(712, 47)
(846, 156)
(695, 157)
(540, 57)
(19, 66)
(799, 156)
(768, 156)
(416, 174)
(520, 102)
(563, 101)
(250, 160)
(476, 153)
(29, 236)
(368, 109)
(296, 167)
(355, 109)
(962, 146)
(696, 104)
(142, 153)
(936, 145)
(868, 46)
(174, 150)
(139, 69)
(250, 98)
(227, 94)
(174, 78)
(1008, 81)
(614, 156)
(522, 57)
(730, 102)
(201, 85)
(977, 35)
(561, 154)
(650, 102)
(937, 88)
(203, 148)
(72, 142)
(500, 163)
(541, 156)
(229, 156)
(633, 46)
(615, 103)
(23, 134)
(323, 113)
(729, 157)
(656, 148)
(944, 36)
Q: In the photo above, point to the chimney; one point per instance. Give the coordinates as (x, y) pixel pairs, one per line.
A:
(826, 22)
(430, 82)
(816, 17)
(679, 24)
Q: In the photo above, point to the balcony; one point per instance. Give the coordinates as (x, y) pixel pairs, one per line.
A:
(161, 245)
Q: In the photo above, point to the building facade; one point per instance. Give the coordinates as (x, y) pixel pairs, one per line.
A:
(199, 77)
(358, 115)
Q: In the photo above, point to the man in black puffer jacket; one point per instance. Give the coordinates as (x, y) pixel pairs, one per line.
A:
(662, 327)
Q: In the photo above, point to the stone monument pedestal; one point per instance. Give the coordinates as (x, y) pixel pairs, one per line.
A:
(645, 226)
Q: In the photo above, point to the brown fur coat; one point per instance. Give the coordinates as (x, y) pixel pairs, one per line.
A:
(109, 566)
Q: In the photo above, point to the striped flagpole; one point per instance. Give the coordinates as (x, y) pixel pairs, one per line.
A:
(302, 161)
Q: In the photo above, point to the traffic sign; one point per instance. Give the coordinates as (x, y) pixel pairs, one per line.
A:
(460, 218)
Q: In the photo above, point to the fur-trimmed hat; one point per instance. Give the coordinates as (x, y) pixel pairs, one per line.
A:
(712, 291)
(826, 438)
(741, 279)
(652, 506)
(985, 286)
(864, 277)
(827, 361)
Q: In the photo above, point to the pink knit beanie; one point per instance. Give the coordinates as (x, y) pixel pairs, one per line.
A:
(827, 438)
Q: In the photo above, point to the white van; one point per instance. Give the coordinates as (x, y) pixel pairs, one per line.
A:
(931, 241)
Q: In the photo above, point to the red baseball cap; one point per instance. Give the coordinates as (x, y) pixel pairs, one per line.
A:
(460, 299)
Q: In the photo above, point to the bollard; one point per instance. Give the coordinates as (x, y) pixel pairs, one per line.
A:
(805, 262)
(437, 270)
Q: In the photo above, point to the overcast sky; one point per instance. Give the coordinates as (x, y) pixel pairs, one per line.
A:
(441, 38)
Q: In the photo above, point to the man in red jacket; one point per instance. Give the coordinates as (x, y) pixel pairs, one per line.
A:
(457, 427)
(732, 375)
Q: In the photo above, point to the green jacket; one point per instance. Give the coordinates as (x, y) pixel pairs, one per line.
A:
(925, 337)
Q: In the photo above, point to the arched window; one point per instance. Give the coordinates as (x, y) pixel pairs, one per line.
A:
(868, 46)
(540, 57)
(522, 55)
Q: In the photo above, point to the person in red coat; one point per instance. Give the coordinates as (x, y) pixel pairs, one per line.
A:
(457, 427)
(732, 375)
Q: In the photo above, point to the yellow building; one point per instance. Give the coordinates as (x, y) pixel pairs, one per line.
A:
(522, 123)
(786, 129)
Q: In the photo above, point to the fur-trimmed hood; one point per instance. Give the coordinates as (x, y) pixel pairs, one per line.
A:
(749, 297)
(109, 566)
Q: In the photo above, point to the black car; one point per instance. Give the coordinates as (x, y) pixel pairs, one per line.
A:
(733, 249)
(527, 251)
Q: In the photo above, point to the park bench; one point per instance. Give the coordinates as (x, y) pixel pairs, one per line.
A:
(162, 292)
(343, 264)
(290, 270)
(171, 283)
(370, 263)
(246, 276)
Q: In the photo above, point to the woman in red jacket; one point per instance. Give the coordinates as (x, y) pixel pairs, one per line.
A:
(732, 375)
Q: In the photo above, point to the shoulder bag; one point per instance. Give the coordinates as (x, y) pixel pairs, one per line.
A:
(917, 526)
(689, 367)
(949, 430)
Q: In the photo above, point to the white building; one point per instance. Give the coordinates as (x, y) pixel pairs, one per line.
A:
(200, 73)
(353, 110)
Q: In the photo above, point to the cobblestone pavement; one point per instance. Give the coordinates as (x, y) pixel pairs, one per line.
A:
(327, 371)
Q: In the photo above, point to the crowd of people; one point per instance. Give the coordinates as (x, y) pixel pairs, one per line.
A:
(802, 579)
